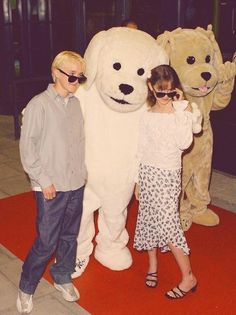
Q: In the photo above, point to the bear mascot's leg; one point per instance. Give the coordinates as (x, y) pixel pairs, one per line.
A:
(111, 249)
(112, 238)
(196, 180)
(87, 231)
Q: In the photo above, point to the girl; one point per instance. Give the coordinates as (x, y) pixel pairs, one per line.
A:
(165, 132)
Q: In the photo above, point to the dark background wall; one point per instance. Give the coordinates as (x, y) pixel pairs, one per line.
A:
(32, 32)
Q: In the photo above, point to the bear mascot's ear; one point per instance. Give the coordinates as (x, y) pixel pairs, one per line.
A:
(218, 60)
(166, 40)
(91, 56)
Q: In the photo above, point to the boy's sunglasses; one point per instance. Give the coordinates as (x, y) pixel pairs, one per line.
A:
(163, 94)
(72, 78)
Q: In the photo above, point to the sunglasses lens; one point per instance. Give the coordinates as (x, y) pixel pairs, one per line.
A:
(82, 79)
(172, 94)
(160, 94)
(72, 78)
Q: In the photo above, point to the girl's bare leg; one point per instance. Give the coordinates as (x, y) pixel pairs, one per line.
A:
(188, 278)
(152, 254)
(151, 278)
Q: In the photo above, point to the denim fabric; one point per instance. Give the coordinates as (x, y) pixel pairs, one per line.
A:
(58, 222)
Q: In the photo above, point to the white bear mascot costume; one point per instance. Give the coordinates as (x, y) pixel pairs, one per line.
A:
(118, 63)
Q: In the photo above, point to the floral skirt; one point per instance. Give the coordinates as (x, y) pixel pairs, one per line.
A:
(158, 221)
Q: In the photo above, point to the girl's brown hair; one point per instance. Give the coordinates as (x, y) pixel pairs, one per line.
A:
(161, 76)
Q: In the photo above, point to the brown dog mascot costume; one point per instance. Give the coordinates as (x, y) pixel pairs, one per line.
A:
(207, 81)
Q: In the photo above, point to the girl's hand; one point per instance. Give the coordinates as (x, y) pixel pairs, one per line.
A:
(179, 96)
(136, 191)
(189, 108)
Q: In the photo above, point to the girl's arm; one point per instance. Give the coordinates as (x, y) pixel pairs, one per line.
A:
(184, 124)
(32, 125)
(140, 146)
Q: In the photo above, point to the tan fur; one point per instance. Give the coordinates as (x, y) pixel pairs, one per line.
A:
(216, 86)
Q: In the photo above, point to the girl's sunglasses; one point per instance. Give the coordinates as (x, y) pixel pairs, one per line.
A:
(72, 78)
(163, 94)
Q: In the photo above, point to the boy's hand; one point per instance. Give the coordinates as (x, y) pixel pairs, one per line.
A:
(49, 192)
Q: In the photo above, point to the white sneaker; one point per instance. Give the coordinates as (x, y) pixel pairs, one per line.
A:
(80, 266)
(69, 292)
(24, 302)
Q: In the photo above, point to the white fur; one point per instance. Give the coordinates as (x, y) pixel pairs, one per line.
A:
(111, 130)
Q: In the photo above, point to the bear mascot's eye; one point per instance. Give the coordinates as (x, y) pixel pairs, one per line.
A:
(117, 66)
(208, 58)
(190, 60)
(140, 71)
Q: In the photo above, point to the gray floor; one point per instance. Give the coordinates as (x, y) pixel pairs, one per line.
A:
(46, 299)
(13, 181)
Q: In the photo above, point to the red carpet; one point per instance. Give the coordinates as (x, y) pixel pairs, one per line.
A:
(105, 292)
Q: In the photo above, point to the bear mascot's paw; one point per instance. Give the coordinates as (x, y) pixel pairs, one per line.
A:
(206, 218)
(115, 260)
(80, 266)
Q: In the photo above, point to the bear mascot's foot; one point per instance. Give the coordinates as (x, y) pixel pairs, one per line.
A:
(186, 221)
(114, 259)
(81, 264)
(207, 218)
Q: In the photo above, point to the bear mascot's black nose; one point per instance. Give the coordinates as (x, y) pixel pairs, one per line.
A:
(126, 88)
(206, 75)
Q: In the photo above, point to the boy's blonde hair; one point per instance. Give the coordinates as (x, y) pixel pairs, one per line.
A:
(67, 55)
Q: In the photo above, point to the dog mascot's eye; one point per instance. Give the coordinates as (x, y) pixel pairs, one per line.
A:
(190, 60)
(208, 58)
(117, 66)
(140, 71)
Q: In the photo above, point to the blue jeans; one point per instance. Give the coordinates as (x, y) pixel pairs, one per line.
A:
(58, 223)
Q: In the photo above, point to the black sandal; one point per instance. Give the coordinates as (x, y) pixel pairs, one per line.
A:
(148, 280)
(180, 293)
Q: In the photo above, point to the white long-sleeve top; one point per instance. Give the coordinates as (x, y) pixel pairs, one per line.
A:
(163, 137)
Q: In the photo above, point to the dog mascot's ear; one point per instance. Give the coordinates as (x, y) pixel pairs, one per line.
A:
(218, 60)
(166, 41)
(92, 56)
